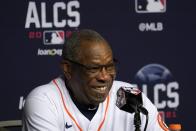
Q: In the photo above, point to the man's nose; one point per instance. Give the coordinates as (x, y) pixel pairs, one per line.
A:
(103, 75)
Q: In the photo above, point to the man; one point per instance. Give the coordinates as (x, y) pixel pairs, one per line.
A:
(84, 99)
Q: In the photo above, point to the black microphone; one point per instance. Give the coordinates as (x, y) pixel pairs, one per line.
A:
(129, 99)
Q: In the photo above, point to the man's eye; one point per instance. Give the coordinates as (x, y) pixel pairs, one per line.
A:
(94, 69)
(110, 67)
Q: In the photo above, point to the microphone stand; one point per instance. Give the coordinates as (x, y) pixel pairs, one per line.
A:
(131, 103)
(137, 119)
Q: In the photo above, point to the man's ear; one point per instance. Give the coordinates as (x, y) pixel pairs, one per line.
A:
(66, 67)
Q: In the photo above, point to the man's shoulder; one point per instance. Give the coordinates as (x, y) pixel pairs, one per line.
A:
(44, 91)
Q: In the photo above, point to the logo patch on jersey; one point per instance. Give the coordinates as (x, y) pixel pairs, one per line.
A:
(68, 125)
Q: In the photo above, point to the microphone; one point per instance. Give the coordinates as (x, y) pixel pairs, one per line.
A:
(129, 99)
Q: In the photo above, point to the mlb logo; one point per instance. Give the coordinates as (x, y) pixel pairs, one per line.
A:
(53, 37)
(150, 6)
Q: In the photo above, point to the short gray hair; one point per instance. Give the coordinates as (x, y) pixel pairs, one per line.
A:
(72, 46)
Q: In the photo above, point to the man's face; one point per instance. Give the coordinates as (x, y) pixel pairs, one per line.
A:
(91, 85)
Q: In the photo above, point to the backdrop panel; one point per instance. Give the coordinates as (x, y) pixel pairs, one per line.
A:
(155, 48)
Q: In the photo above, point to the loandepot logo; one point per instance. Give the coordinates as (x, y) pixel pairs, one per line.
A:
(49, 52)
(150, 6)
(158, 83)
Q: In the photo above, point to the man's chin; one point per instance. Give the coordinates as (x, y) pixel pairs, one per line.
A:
(97, 101)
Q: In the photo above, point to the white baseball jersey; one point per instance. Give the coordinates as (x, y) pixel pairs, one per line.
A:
(50, 108)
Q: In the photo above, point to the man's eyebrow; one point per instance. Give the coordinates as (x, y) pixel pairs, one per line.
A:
(98, 64)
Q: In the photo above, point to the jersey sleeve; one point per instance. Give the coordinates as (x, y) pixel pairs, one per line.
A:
(155, 122)
(39, 115)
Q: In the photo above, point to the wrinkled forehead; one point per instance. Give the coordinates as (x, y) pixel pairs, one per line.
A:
(95, 51)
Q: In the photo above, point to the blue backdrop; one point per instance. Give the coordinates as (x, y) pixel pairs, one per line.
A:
(155, 46)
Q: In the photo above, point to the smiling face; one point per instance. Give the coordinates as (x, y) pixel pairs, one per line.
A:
(91, 86)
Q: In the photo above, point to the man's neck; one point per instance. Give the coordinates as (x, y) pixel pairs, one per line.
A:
(87, 110)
